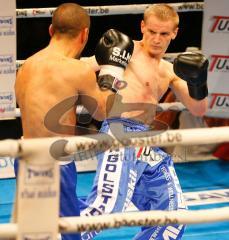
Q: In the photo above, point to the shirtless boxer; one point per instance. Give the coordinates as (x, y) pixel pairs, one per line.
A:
(51, 81)
(146, 176)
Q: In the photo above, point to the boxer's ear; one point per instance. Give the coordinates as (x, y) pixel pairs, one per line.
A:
(84, 35)
(142, 26)
(175, 31)
(51, 31)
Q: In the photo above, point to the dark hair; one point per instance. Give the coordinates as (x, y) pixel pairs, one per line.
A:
(69, 19)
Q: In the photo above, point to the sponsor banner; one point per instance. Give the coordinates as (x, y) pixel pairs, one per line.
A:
(6, 167)
(218, 73)
(37, 195)
(207, 197)
(7, 58)
(215, 27)
(219, 104)
(199, 198)
(215, 38)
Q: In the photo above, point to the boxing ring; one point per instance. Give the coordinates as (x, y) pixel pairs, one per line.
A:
(208, 201)
(30, 149)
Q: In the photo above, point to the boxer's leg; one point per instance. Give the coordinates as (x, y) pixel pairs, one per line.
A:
(158, 189)
(113, 184)
(69, 204)
(111, 192)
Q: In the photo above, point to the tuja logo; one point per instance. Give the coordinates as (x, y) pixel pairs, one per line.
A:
(220, 24)
(219, 63)
(219, 100)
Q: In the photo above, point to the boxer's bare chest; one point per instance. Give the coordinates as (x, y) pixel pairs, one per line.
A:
(147, 78)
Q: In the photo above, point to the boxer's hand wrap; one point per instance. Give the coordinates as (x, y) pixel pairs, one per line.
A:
(113, 53)
(193, 68)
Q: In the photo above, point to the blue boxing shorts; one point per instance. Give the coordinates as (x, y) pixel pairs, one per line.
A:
(144, 176)
(69, 204)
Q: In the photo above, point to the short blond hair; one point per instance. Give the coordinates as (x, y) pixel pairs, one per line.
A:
(163, 12)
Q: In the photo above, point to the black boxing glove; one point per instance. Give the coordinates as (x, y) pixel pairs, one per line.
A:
(113, 53)
(193, 68)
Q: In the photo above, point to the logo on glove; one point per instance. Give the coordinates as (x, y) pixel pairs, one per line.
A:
(119, 56)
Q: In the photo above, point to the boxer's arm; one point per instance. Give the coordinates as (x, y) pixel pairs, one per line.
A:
(113, 53)
(191, 89)
(92, 98)
(193, 68)
(196, 107)
(92, 62)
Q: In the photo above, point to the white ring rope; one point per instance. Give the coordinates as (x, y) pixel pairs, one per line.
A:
(152, 218)
(116, 220)
(109, 10)
(98, 142)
